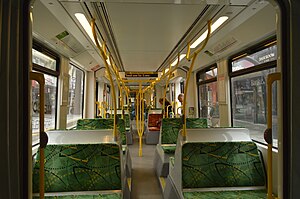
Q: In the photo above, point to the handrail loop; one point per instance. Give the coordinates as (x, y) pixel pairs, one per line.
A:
(103, 55)
(39, 77)
(194, 56)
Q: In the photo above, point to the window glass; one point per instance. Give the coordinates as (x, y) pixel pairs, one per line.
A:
(43, 60)
(182, 86)
(50, 106)
(260, 57)
(249, 104)
(75, 95)
(208, 75)
(209, 107)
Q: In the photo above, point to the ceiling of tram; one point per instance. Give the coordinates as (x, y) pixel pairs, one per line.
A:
(142, 35)
(149, 32)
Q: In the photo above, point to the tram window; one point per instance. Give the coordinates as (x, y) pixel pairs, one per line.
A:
(263, 56)
(208, 95)
(50, 106)
(45, 62)
(75, 95)
(182, 86)
(248, 92)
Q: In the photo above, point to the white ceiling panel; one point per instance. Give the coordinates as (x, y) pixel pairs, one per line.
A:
(146, 33)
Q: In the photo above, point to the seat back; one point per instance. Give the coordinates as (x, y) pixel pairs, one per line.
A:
(126, 119)
(78, 161)
(102, 123)
(153, 119)
(172, 126)
(221, 164)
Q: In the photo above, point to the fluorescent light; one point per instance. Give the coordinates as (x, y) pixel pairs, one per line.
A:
(176, 60)
(86, 25)
(214, 27)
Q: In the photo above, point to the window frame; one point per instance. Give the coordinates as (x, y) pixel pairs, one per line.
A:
(44, 50)
(260, 67)
(203, 71)
(83, 86)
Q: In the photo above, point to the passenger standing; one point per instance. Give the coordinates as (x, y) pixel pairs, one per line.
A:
(180, 99)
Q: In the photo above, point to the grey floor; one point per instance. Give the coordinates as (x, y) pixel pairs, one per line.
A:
(144, 182)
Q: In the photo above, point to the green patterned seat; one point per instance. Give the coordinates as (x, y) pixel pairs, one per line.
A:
(126, 119)
(98, 196)
(80, 167)
(171, 128)
(253, 194)
(221, 164)
(169, 149)
(100, 123)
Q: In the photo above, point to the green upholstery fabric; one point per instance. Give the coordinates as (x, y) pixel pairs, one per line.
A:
(169, 149)
(81, 167)
(101, 123)
(221, 164)
(256, 194)
(126, 118)
(196, 123)
(127, 121)
(100, 196)
(172, 126)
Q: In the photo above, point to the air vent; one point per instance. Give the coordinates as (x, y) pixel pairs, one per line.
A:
(222, 46)
(67, 40)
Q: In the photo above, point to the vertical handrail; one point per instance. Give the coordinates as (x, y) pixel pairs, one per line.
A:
(104, 108)
(39, 77)
(268, 132)
(103, 55)
(165, 93)
(140, 118)
(194, 56)
(115, 70)
(168, 110)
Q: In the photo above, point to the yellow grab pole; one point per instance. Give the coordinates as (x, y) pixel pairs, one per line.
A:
(268, 132)
(139, 119)
(103, 55)
(39, 77)
(115, 70)
(104, 105)
(190, 72)
(168, 111)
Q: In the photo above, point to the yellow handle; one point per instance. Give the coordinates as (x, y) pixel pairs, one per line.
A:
(39, 77)
(268, 133)
(194, 56)
(104, 57)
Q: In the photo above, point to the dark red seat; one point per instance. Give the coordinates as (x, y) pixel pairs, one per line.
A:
(154, 122)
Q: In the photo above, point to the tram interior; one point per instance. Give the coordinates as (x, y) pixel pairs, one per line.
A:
(146, 44)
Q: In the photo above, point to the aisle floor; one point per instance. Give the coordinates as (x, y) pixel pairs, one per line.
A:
(145, 185)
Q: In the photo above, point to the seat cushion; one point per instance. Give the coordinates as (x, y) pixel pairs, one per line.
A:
(252, 194)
